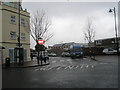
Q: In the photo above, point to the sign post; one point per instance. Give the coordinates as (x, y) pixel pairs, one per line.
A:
(39, 48)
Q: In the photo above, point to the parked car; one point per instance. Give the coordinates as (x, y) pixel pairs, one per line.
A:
(109, 51)
(65, 54)
(33, 54)
(52, 54)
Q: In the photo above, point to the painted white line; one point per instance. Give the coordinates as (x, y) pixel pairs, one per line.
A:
(43, 68)
(81, 66)
(92, 66)
(69, 67)
(77, 66)
(87, 66)
(58, 68)
(37, 69)
(53, 61)
(49, 68)
(103, 63)
(61, 60)
(68, 60)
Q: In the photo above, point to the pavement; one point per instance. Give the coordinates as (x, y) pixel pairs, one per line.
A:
(32, 63)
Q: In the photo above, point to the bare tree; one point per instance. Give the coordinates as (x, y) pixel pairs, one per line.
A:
(89, 33)
(39, 26)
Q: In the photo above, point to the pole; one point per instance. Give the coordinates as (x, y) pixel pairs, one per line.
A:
(116, 31)
(19, 32)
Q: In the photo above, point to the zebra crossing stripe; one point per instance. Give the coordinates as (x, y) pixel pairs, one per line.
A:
(103, 63)
(92, 66)
(61, 60)
(42, 68)
(49, 68)
(81, 66)
(53, 61)
(70, 67)
(58, 68)
(36, 69)
(46, 68)
(69, 60)
(87, 66)
(77, 66)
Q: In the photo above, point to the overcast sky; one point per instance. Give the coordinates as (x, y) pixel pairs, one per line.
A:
(69, 19)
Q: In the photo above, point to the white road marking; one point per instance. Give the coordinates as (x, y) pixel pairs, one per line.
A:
(53, 61)
(92, 66)
(81, 66)
(37, 69)
(68, 60)
(49, 68)
(103, 63)
(61, 60)
(87, 66)
(77, 66)
(70, 67)
(58, 68)
(42, 68)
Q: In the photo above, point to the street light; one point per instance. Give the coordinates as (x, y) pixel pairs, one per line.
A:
(114, 11)
(19, 6)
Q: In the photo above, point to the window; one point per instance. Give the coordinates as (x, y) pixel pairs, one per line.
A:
(7, 3)
(13, 35)
(113, 42)
(13, 19)
(16, 6)
(22, 36)
(22, 21)
(98, 42)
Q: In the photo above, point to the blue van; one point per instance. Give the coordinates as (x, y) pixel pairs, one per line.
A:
(76, 51)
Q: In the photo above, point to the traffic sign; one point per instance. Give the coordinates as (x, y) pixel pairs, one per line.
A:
(40, 41)
(39, 47)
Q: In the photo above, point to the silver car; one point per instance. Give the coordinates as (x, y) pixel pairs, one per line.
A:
(109, 51)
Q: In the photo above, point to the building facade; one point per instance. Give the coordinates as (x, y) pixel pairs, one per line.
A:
(107, 43)
(9, 31)
(65, 47)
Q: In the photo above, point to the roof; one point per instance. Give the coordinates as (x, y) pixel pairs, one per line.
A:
(107, 38)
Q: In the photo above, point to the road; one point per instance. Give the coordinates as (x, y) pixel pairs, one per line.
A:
(64, 72)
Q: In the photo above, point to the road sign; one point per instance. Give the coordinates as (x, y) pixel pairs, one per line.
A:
(40, 41)
(39, 47)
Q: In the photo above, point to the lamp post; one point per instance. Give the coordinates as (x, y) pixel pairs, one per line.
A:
(114, 11)
(19, 30)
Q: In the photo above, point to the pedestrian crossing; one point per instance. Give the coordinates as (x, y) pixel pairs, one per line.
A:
(63, 67)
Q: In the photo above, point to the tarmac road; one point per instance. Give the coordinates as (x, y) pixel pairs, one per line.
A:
(64, 72)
